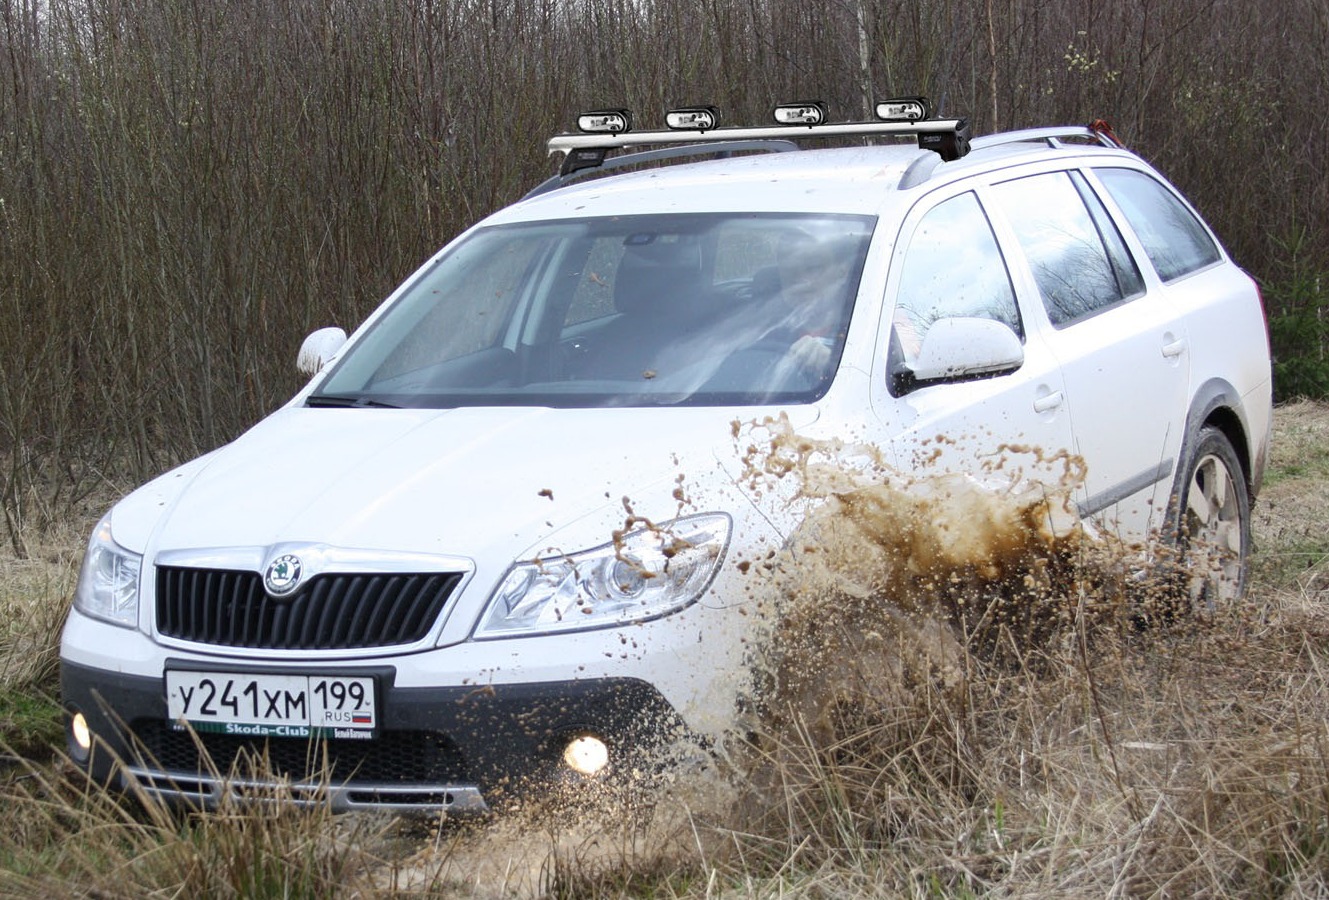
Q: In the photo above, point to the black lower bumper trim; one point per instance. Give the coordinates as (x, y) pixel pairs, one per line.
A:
(453, 748)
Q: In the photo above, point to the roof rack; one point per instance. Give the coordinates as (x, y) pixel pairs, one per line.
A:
(588, 153)
(1099, 131)
(714, 148)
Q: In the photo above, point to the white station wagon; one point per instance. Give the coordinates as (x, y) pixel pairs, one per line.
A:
(503, 532)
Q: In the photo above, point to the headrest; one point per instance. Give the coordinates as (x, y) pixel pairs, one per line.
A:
(658, 278)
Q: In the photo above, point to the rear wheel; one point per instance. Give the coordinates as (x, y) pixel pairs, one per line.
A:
(1214, 523)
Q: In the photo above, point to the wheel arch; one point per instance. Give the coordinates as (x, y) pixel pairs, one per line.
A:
(1215, 404)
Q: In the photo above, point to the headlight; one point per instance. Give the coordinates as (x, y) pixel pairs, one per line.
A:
(108, 582)
(646, 573)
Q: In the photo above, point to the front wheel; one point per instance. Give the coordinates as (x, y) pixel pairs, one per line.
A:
(1214, 523)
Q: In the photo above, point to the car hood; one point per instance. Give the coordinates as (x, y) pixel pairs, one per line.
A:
(470, 482)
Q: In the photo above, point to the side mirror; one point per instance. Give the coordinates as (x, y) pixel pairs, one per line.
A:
(318, 348)
(960, 348)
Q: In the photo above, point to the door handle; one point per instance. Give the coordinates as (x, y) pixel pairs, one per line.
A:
(1174, 349)
(1048, 401)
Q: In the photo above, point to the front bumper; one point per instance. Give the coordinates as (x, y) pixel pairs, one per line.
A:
(454, 749)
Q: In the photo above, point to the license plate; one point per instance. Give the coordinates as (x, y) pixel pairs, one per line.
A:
(331, 706)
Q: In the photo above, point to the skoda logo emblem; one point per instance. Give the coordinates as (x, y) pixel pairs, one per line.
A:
(283, 576)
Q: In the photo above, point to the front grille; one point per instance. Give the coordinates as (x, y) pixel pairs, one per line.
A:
(394, 757)
(332, 611)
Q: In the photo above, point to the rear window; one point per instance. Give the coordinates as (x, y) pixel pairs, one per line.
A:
(1174, 240)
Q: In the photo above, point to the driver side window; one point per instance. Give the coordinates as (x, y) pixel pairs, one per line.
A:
(952, 268)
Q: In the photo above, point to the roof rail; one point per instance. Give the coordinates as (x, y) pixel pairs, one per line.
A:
(719, 148)
(948, 137)
(1099, 131)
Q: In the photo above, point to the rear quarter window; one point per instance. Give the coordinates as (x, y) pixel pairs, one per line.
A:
(1173, 238)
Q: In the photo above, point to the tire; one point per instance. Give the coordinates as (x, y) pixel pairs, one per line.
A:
(1213, 535)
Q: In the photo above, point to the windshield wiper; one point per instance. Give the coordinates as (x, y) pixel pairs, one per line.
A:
(333, 400)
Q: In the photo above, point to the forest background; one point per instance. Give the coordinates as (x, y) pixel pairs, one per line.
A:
(188, 187)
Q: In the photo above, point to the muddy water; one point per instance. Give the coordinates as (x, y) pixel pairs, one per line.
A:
(887, 582)
(896, 576)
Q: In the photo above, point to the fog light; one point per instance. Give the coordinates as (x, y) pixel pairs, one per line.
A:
(586, 755)
(78, 729)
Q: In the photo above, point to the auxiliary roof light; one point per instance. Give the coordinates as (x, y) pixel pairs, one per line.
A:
(605, 121)
(812, 113)
(692, 118)
(904, 109)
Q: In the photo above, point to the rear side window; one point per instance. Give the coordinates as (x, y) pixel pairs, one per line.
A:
(1076, 255)
(1175, 241)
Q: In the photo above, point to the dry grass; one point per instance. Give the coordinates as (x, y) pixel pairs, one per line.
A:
(1292, 518)
(64, 838)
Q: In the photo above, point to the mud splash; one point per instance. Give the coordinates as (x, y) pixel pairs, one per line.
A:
(889, 579)
(900, 611)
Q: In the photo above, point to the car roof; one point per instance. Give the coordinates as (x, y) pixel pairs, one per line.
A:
(819, 180)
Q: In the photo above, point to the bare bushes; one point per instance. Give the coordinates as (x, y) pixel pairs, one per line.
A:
(186, 190)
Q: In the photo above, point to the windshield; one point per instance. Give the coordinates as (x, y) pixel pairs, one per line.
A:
(732, 309)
